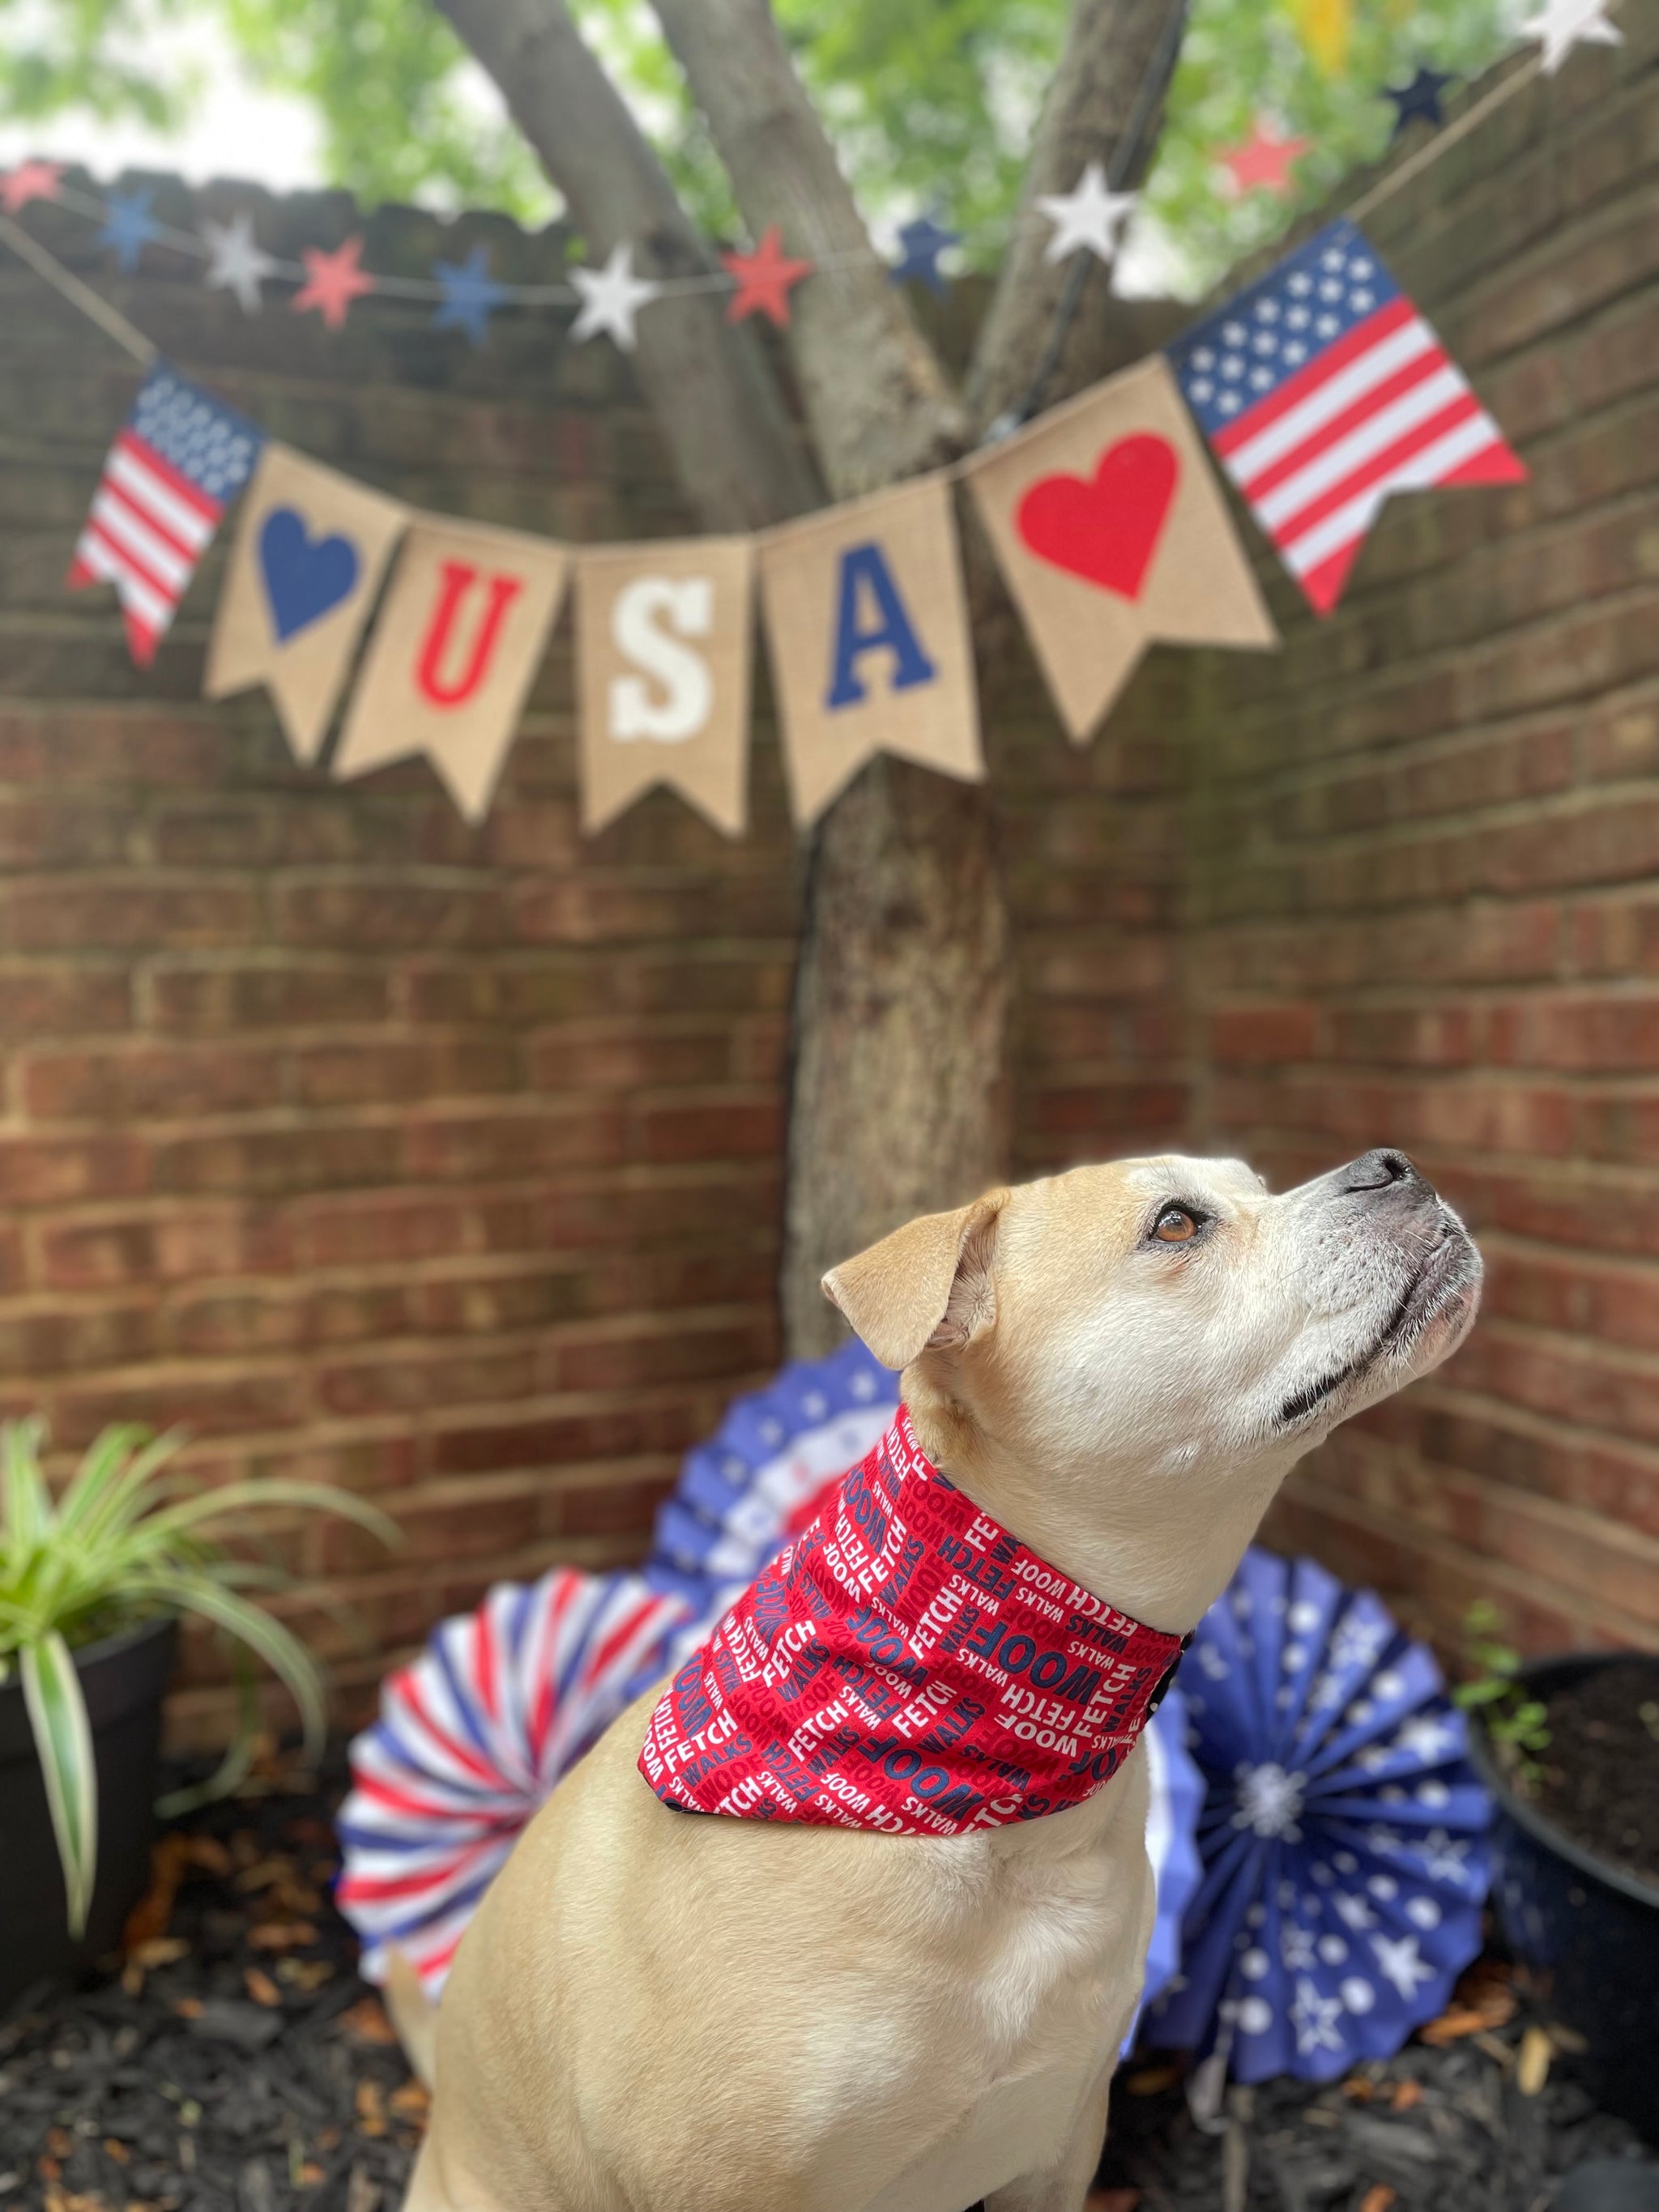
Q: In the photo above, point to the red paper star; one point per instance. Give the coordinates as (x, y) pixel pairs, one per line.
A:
(1264, 161)
(29, 181)
(332, 281)
(764, 278)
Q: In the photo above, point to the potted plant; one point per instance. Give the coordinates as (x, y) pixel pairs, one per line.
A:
(1568, 1748)
(91, 1586)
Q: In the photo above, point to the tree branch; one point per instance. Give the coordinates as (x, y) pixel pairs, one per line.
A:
(1114, 75)
(878, 401)
(737, 455)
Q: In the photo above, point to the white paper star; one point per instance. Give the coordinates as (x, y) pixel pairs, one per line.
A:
(1091, 214)
(237, 262)
(1398, 1962)
(1429, 1738)
(611, 298)
(1314, 2018)
(1563, 24)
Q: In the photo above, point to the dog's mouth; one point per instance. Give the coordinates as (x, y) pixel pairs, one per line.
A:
(1440, 1285)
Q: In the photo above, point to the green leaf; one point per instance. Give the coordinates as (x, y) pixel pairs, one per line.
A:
(23, 1492)
(63, 1738)
(282, 1650)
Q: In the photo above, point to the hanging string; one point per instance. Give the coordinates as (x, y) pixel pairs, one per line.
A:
(51, 270)
(1392, 180)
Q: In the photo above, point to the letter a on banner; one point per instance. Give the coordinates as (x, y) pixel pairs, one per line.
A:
(467, 620)
(662, 676)
(867, 628)
(310, 551)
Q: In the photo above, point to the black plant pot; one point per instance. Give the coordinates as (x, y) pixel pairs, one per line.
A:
(123, 1680)
(1587, 1932)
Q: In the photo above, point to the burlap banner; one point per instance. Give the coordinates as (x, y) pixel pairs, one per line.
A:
(455, 651)
(311, 548)
(663, 638)
(1112, 533)
(867, 630)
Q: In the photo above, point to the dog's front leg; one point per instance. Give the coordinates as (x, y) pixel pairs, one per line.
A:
(1063, 2186)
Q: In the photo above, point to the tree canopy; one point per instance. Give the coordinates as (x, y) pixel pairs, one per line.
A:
(930, 103)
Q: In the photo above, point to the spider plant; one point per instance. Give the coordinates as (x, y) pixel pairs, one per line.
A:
(128, 1542)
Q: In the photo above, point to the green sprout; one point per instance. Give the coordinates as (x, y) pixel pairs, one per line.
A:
(1515, 1722)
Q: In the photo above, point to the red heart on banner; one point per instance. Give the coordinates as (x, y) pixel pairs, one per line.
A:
(1104, 528)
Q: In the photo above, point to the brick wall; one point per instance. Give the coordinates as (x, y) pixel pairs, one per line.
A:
(1423, 846)
(440, 1163)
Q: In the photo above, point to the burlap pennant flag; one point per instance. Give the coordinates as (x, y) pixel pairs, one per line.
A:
(867, 628)
(456, 649)
(1112, 533)
(663, 635)
(311, 549)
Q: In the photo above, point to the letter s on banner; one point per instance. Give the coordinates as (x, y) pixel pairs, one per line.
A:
(686, 604)
(663, 647)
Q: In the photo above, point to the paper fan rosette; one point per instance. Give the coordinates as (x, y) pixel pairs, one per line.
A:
(471, 1737)
(1343, 1869)
(758, 1480)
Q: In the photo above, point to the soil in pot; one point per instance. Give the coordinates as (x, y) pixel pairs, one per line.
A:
(1601, 1779)
(1574, 1883)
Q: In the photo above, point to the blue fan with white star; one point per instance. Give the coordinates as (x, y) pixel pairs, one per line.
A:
(1341, 1831)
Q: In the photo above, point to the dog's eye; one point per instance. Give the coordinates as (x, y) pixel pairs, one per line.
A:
(1176, 1225)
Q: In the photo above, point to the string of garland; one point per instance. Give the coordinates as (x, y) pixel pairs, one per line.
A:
(1086, 226)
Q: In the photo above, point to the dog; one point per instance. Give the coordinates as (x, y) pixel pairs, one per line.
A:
(1116, 1367)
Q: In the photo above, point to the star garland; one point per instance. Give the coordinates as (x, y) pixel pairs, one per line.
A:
(1087, 220)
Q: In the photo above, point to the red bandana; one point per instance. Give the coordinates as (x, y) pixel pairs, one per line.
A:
(906, 1665)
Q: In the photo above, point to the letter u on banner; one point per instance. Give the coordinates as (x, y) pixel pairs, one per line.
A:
(465, 624)
(662, 676)
(867, 626)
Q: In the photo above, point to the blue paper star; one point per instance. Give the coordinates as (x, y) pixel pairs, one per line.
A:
(923, 241)
(128, 226)
(1419, 100)
(470, 294)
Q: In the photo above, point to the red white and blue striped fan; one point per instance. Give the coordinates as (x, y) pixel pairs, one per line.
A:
(472, 1736)
(1341, 1833)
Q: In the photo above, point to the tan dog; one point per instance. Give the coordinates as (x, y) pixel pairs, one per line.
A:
(657, 2009)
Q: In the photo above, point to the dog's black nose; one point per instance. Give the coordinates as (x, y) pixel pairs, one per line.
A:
(1379, 1171)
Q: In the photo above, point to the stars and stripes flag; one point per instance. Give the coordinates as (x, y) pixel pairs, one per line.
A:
(1322, 389)
(178, 462)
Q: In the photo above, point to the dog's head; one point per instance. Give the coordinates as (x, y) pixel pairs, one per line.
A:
(1131, 1357)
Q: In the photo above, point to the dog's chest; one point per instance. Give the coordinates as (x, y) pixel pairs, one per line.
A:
(1033, 2023)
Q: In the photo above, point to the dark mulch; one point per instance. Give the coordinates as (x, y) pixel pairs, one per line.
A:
(1601, 1774)
(1486, 2116)
(236, 2063)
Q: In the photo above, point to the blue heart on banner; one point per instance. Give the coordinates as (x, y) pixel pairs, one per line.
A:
(305, 576)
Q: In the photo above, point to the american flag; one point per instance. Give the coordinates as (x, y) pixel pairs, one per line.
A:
(1322, 389)
(180, 460)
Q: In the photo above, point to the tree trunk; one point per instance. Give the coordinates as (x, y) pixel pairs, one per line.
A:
(901, 991)
(897, 1100)
(739, 458)
(1113, 76)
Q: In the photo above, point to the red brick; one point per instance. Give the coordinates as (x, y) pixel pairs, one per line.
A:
(147, 1082)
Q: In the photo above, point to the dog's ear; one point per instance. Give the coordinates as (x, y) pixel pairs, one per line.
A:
(928, 1285)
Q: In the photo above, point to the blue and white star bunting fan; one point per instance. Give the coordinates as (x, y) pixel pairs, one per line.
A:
(1344, 1870)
